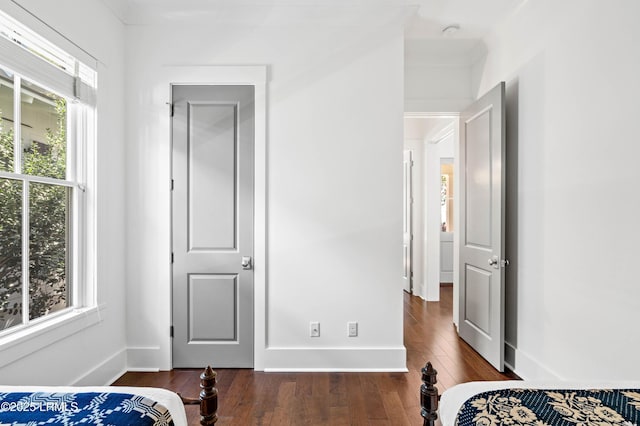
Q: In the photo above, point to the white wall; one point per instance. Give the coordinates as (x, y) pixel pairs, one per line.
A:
(572, 70)
(334, 187)
(96, 354)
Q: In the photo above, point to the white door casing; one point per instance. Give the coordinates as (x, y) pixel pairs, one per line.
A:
(407, 240)
(481, 227)
(212, 206)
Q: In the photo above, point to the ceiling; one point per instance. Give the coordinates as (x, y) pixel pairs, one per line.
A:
(425, 128)
(423, 18)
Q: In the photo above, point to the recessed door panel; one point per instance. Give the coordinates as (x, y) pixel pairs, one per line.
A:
(446, 257)
(478, 180)
(212, 175)
(478, 298)
(213, 302)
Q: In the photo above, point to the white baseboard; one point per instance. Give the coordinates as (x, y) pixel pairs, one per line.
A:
(143, 358)
(528, 368)
(419, 290)
(106, 372)
(336, 360)
(143, 369)
(510, 356)
(298, 359)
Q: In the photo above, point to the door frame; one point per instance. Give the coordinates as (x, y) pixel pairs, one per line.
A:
(407, 220)
(219, 75)
(431, 259)
(432, 226)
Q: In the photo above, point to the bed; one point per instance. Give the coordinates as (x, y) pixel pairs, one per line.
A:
(517, 403)
(42, 405)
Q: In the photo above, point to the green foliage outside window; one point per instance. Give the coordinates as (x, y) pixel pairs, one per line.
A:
(49, 210)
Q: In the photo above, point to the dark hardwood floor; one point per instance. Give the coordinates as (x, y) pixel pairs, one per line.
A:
(256, 398)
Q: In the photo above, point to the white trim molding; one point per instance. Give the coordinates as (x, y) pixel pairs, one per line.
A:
(529, 368)
(147, 359)
(31, 339)
(105, 373)
(336, 359)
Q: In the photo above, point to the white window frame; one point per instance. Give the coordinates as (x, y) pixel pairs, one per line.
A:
(78, 84)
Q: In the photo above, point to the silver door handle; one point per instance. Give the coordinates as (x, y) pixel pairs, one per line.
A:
(246, 262)
(494, 261)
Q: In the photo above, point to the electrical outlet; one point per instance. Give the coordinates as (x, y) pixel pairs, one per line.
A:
(314, 329)
(352, 328)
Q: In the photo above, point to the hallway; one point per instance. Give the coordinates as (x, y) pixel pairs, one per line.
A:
(429, 335)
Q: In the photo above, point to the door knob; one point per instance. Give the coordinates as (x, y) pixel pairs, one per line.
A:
(497, 263)
(246, 262)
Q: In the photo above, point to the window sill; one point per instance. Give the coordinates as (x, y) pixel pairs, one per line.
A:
(31, 339)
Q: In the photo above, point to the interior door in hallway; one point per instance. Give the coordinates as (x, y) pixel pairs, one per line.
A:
(407, 222)
(212, 225)
(482, 226)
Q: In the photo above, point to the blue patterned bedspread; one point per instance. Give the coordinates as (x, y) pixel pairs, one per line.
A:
(86, 408)
(560, 407)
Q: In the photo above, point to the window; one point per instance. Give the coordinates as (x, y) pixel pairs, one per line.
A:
(46, 110)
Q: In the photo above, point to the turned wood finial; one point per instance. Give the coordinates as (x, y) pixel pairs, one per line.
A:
(208, 397)
(429, 395)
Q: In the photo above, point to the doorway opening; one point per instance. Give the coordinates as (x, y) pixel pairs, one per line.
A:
(431, 139)
(447, 227)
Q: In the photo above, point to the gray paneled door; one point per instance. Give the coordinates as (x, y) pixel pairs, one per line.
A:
(482, 226)
(212, 215)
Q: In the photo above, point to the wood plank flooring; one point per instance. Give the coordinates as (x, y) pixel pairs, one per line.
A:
(247, 397)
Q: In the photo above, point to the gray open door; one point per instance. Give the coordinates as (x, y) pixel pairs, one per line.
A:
(482, 226)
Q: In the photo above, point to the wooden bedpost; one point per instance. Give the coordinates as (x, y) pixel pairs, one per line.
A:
(208, 398)
(429, 395)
